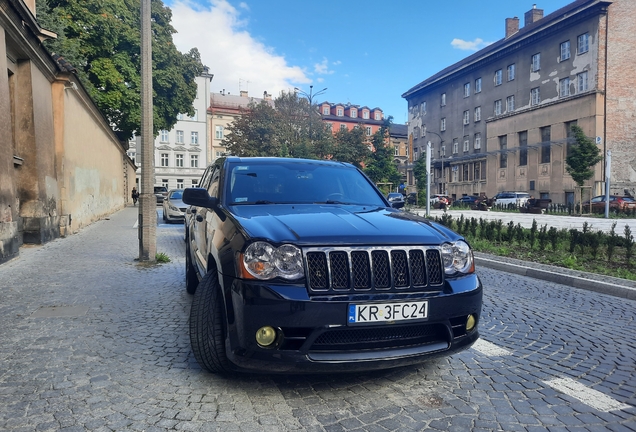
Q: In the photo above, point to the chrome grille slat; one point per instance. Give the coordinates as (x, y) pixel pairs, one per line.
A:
(369, 269)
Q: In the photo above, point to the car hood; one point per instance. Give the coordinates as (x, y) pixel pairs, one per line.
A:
(337, 225)
(177, 203)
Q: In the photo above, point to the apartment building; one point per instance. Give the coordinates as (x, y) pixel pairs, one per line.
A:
(501, 118)
(340, 116)
(180, 153)
(224, 108)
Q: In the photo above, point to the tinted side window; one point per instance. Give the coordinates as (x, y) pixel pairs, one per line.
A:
(213, 189)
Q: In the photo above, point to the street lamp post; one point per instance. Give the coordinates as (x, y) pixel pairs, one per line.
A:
(428, 174)
(310, 98)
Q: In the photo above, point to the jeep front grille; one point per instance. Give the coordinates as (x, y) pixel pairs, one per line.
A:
(381, 269)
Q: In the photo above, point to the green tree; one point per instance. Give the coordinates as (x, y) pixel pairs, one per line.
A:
(420, 174)
(101, 39)
(380, 167)
(583, 156)
(255, 132)
(350, 146)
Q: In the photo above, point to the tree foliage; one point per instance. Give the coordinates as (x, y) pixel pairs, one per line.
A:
(420, 173)
(583, 157)
(101, 39)
(380, 166)
(292, 129)
(350, 146)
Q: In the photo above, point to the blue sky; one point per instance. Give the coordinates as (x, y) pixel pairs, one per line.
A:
(364, 52)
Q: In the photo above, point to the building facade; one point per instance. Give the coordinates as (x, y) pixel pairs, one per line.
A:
(501, 118)
(339, 116)
(181, 153)
(61, 165)
(224, 108)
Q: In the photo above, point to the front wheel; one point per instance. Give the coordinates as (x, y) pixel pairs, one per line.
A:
(207, 326)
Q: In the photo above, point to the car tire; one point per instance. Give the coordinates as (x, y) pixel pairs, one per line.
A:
(163, 213)
(207, 326)
(191, 279)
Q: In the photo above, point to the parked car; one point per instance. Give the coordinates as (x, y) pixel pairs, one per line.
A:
(396, 200)
(468, 200)
(302, 266)
(440, 201)
(411, 198)
(616, 204)
(161, 192)
(173, 207)
(506, 198)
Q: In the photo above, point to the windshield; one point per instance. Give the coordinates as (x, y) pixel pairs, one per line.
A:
(176, 195)
(299, 183)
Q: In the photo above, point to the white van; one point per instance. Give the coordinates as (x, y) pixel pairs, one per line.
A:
(507, 198)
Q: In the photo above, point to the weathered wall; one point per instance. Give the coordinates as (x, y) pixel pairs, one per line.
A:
(621, 95)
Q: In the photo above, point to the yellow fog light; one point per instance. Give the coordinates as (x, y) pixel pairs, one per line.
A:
(470, 322)
(265, 336)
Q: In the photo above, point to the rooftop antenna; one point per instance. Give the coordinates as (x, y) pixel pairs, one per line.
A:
(247, 85)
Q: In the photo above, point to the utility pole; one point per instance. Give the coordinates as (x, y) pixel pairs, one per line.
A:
(147, 201)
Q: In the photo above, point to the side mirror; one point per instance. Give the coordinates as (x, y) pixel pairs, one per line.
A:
(199, 197)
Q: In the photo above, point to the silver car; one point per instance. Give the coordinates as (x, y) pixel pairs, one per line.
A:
(173, 208)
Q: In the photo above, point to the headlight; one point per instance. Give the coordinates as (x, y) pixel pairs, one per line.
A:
(173, 208)
(457, 258)
(264, 261)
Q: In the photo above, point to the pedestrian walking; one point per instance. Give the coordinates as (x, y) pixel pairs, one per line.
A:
(135, 195)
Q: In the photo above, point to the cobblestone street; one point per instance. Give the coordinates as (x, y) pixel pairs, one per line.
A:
(92, 340)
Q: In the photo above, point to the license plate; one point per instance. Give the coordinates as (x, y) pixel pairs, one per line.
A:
(383, 312)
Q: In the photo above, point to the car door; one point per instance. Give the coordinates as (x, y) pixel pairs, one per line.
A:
(199, 242)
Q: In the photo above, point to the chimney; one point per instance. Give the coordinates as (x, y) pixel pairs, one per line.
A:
(267, 96)
(512, 26)
(533, 15)
(244, 93)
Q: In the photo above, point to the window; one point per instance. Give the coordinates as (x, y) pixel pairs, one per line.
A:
(466, 117)
(443, 99)
(194, 183)
(218, 132)
(325, 111)
(535, 96)
(164, 183)
(195, 116)
(180, 139)
(396, 151)
(564, 87)
(343, 127)
(179, 183)
(378, 116)
(178, 160)
(442, 150)
(478, 114)
(467, 89)
(503, 155)
(365, 114)
(523, 148)
(498, 77)
(368, 130)
(466, 144)
(423, 108)
(354, 113)
(180, 116)
(478, 85)
(536, 62)
(477, 144)
(455, 146)
(339, 112)
(545, 144)
(511, 72)
(164, 159)
(498, 107)
(164, 135)
(583, 44)
(194, 138)
(565, 50)
(510, 103)
(442, 125)
(581, 82)
(330, 126)
(476, 166)
(194, 161)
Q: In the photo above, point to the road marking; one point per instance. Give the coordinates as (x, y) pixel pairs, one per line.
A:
(588, 396)
(136, 223)
(490, 349)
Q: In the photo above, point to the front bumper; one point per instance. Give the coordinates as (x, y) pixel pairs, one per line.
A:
(315, 336)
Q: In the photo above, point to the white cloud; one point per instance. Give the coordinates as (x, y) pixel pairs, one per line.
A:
(217, 30)
(475, 45)
(322, 68)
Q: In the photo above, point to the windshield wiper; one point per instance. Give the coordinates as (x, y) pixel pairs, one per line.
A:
(332, 202)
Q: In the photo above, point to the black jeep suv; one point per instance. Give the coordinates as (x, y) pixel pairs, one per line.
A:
(303, 266)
